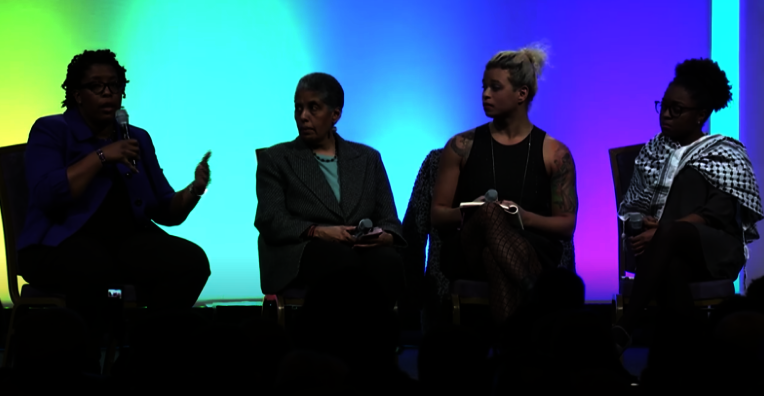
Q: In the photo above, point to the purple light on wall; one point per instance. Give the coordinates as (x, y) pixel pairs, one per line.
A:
(412, 72)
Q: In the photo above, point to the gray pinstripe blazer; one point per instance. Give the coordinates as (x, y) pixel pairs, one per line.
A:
(293, 194)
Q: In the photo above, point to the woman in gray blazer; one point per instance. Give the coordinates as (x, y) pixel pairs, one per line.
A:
(312, 193)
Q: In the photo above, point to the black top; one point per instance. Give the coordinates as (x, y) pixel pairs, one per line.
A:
(114, 217)
(477, 176)
(530, 189)
(691, 193)
(722, 235)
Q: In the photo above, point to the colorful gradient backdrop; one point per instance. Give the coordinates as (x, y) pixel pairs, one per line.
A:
(220, 76)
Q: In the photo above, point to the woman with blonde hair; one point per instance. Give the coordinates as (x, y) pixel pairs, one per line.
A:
(527, 168)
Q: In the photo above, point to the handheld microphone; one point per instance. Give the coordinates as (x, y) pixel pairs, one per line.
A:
(635, 224)
(122, 119)
(364, 226)
(491, 196)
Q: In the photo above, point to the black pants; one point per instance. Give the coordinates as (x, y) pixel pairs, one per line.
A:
(168, 272)
(320, 259)
(673, 259)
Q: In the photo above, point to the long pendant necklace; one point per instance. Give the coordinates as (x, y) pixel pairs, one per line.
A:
(525, 171)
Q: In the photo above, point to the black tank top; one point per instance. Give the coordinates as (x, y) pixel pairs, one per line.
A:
(531, 188)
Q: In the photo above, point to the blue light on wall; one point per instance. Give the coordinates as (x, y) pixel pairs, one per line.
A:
(221, 76)
(725, 50)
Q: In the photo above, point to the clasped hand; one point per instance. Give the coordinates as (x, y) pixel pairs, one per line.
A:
(639, 243)
(341, 234)
(506, 203)
(124, 152)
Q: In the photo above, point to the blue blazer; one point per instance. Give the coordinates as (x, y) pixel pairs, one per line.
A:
(58, 141)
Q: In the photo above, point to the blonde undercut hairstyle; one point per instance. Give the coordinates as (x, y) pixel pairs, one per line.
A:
(524, 67)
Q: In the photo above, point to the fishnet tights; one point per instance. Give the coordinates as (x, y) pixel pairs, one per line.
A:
(508, 258)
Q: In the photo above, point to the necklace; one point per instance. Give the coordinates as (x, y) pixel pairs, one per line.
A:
(333, 159)
(525, 172)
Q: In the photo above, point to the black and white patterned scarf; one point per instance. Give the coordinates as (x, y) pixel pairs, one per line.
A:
(721, 160)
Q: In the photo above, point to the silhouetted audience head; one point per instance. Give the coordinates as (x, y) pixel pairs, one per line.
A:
(730, 306)
(238, 355)
(348, 316)
(311, 373)
(675, 356)
(741, 330)
(737, 353)
(558, 290)
(52, 354)
(575, 339)
(755, 291)
(51, 340)
(163, 350)
(454, 360)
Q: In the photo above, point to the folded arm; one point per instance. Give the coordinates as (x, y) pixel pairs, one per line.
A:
(720, 210)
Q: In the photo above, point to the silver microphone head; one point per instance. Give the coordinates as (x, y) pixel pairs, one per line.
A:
(491, 195)
(121, 116)
(365, 224)
(636, 220)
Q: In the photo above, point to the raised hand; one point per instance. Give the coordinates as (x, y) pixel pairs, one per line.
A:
(202, 174)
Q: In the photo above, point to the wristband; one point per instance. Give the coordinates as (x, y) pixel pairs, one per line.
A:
(101, 156)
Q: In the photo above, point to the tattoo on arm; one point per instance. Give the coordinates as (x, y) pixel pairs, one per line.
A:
(564, 195)
(462, 143)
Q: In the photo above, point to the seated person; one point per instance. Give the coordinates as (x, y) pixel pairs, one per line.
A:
(93, 195)
(527, 167)
(312, 193)
(698, 194)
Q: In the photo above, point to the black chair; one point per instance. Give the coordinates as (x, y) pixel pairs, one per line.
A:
(706, 294)
(291, 297)
(14, 199)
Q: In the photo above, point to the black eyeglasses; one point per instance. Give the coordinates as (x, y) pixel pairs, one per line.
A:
(99, 88)
(674, 109)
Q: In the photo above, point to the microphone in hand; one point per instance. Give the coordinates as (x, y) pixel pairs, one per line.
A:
(122, 120)
(491, 196)
(364, 227)
(635, 224)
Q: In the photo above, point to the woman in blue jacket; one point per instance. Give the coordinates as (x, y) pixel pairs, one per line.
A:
(94, 198)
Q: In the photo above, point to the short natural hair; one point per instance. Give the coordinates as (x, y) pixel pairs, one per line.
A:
(80, 64)
(327, 86)
(706, 82)
(524, 67)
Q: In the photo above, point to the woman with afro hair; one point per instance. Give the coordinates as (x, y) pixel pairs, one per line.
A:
(698, 195)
